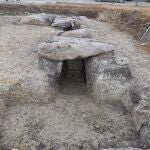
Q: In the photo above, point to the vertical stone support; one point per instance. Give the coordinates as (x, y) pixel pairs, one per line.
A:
(53, 71)
(107, 76)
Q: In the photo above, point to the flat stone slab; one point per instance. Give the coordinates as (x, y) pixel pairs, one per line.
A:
(80, 33)
(65, 23)
(68, 48)
(37, 19)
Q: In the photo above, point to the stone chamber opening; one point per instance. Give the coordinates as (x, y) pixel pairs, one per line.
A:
(73, 77)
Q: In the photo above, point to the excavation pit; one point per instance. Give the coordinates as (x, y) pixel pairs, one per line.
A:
(46, 107)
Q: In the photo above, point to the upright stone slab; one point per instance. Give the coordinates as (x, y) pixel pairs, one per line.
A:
(107, 76)
(53, 71)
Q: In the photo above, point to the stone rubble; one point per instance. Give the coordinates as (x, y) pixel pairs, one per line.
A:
(61, 23)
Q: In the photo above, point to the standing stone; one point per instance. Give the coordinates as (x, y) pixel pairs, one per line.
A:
(107, 79)
(52, 70)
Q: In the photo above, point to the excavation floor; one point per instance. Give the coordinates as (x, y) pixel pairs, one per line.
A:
(73, 121)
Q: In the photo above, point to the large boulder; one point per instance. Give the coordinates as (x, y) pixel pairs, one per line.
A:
(107, 77)
(80, 33)
(63, 23)
(137, 102)
(37, 19)
(141, 114)
(67, 48)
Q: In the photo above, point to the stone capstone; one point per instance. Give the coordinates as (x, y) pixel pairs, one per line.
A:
(68, 48)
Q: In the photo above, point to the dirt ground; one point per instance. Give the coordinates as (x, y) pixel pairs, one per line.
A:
(74, 120)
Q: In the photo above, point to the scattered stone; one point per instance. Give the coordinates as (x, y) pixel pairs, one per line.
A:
(67, 48)
(81, 33)
(141, 114)
(65, 24)
(37, 19)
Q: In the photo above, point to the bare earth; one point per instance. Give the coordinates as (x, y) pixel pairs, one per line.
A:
(74, 120)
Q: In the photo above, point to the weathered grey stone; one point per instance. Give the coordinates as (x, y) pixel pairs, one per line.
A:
(145, 133)
(67, 48)
(131, 97)
(65, 23)
(137, 102)
(52, 69)
(141, 118)
(81, 33)
(135, 95)
(141, 114)
(108, 80)
(37, 19)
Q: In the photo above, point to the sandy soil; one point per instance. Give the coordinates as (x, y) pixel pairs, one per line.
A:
(74, 120)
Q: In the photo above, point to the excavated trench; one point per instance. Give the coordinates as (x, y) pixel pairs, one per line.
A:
(83, 103)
